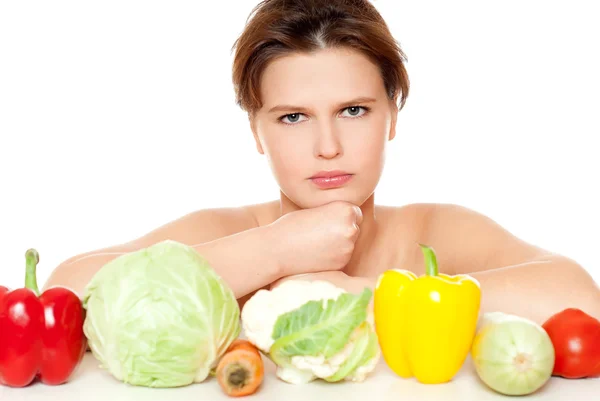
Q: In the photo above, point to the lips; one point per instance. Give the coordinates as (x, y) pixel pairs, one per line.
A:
(329, 174)
(331, 179)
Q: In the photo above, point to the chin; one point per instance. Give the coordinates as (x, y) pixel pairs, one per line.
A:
(308, 196)
(323, 197)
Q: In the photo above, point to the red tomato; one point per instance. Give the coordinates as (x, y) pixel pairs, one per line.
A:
(576, 339)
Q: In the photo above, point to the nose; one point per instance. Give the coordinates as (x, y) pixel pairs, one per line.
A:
(328, 144)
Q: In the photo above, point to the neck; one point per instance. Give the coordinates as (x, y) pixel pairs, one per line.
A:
(366, 238)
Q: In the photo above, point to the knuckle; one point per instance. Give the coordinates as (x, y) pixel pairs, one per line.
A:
(336, 204)
(351, 230)
(352, 213)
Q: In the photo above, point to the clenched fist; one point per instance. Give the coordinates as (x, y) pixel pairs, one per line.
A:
(316, 239)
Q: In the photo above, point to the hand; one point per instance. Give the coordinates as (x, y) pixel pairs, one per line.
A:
(317, 239)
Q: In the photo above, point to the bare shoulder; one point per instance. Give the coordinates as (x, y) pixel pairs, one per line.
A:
(437, 221)
(428, 212)
(197, 227)
(194, 228)
(406, 221)
(205, 225)
(414, 212)
(264, 213)
(464, 239)
(470, 241)
(401, 229)
(446, 220)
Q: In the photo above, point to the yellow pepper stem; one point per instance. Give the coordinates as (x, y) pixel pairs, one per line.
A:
(431, 266)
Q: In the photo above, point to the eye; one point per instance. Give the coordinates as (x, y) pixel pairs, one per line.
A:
(292, 118)
(355, 111)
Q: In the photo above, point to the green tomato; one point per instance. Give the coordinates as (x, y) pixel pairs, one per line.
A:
(512, 355)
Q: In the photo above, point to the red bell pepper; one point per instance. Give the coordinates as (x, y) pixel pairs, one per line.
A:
(41, 336)
(576, 339)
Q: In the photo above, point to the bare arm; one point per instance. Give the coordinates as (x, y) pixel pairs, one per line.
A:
(515, 277)
(539, 289)
(495, 284)
(229, 239)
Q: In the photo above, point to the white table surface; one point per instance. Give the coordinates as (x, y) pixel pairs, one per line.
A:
(92, 383)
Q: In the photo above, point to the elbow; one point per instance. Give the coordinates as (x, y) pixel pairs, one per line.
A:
(582, 291)
(595, 301)
(76, 272)
(64, 276)
(589, 302)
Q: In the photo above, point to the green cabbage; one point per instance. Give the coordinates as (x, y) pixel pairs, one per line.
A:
(160, 316)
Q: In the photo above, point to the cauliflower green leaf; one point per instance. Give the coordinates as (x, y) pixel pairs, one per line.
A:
(319, 327)
(365, 348)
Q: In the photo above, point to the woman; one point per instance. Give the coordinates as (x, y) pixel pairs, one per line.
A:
(322, 82)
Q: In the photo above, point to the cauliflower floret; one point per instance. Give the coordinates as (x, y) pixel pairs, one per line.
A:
(321, 367)
(311, 367)
(261, 312)
(362, 372)
(291, 375)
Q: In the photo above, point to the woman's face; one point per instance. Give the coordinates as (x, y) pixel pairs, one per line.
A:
(324, 113)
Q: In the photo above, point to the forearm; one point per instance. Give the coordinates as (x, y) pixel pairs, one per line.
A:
(243, 260)
(534, 290)
(539, 289)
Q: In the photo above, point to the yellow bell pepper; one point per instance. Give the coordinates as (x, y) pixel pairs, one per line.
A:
(426, 325)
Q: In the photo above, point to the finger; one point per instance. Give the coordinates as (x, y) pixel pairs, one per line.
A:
(356, 232)
(359, 215)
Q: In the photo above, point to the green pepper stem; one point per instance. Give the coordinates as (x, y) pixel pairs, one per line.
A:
(431, 266)
(32, 258)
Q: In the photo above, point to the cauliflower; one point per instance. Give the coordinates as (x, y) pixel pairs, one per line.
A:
(313, 329)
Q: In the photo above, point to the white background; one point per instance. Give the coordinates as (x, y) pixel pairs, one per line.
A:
(118, 116)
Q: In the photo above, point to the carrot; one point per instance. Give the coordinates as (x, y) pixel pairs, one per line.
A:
(241, 370)
(242, 344)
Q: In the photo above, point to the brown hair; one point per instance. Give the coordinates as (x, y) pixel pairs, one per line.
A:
(278, 27)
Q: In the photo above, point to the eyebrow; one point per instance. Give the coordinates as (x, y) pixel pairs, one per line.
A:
(353, 102)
